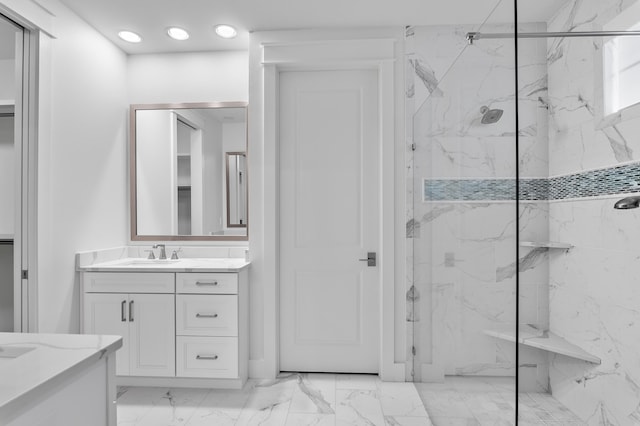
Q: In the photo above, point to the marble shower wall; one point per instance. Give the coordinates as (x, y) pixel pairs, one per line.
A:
(594, 296)
(462, 253)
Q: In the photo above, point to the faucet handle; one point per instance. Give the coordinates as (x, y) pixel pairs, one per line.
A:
(174, 255)
(151, 254)
(163, 253)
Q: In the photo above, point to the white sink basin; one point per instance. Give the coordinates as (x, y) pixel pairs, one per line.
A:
(150, 262)
(13, 351)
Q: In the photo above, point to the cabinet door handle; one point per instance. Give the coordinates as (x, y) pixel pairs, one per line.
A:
(131, 311)
(123, 314)
(210, 357)
(206, 315)
(206, 282)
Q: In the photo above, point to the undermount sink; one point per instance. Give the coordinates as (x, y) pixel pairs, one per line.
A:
(13, 351)
(151, 261)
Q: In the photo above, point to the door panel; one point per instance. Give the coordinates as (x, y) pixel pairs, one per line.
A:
(329, 219)
(104, 314)
(152, 328)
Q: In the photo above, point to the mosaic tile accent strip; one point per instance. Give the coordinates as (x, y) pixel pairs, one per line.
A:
(484, 189)
(614, 180)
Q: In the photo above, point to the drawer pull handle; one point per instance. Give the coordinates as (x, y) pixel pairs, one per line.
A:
(211, 357)
(123, 307)
(131, 311)
(206, 315)
(206, 282)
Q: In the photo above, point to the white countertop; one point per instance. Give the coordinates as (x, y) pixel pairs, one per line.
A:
(54, 358)
(131, 264)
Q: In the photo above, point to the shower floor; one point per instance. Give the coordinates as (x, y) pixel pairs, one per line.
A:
(472, 401)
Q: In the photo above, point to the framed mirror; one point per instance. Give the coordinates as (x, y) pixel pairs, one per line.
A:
(189, 171)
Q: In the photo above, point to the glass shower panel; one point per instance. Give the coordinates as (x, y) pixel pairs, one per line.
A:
(462, 224)
(579, 302)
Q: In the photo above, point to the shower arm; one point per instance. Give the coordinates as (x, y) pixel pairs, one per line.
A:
(473, 36)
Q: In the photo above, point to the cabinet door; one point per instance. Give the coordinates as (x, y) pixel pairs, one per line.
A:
(107, 314)
(152, 334)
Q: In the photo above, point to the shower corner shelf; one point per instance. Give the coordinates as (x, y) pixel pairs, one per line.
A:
(546, 244)
(544, 340)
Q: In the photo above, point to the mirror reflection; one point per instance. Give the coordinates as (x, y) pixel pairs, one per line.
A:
(190, 171)
(236, 190)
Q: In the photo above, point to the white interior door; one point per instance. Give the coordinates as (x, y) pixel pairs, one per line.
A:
(329, 219)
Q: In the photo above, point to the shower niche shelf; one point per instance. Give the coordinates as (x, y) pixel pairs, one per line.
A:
(546, 244)
(544, 340)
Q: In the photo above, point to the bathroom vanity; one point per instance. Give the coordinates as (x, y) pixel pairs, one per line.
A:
(183, 322)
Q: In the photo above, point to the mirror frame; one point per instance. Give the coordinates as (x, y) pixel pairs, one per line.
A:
(133, 178)
(227, 159)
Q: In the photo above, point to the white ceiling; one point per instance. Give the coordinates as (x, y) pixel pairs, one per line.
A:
(151, 18)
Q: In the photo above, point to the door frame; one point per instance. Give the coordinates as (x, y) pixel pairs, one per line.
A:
(314, 55)
(26, 145)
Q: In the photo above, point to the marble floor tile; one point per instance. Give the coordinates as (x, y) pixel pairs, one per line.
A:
(455, 421)
(399, 400)
(314, 393)
(355, 407)
(445, 404)
(306, 419)
(487, 401)
(292, 399)
(268, 403)
(407, 421)
(220, 407)
(156, 406)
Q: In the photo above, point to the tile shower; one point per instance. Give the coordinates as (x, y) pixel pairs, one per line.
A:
(578, 260)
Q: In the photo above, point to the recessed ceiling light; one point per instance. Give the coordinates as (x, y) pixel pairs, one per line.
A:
(226, 31)
(130, 36)
(177, 33)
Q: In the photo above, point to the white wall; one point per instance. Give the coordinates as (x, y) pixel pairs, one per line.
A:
(82, 182)
(6, 288)
(188, 77)
(7, 79)
(234, 137)
(7, 176)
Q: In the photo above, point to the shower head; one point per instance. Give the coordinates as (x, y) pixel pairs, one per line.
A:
(627, 203)
(490, 116)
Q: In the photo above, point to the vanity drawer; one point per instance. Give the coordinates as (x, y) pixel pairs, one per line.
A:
(209, 283)
(210, 315)
(129, 282)
(211, 357)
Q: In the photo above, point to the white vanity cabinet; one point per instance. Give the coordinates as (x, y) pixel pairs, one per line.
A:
(178, 328)
(144, 316)
(207, 324)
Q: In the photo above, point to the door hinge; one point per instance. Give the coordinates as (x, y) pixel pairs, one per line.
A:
(413, 350)
(25, 274)
(413, 147)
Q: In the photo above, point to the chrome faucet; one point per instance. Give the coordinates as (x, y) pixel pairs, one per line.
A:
(163, 252)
